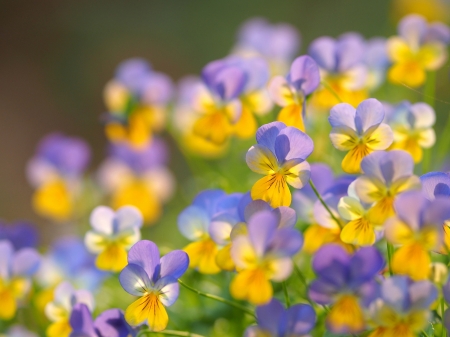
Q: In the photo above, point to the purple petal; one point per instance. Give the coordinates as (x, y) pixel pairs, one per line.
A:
(267, 134)
(134, 280)
(446, 291)
(20, 234)
(342, 114)
(437, 211)
(254, 207)
(193, 222)
(301, 319)
(287, 216)
(269, 316)
(413, 29)
(286, 242)
(221, 227)
(438, 31)
(128, 217)
(369, 292)
(323, 51)
(146, 255)
(156, 89)
(261, 229)
(409, 207)
(227, 82)
(304, 74)
(169, 288)
(322, 292)
(243, 203)
(365, 264)
(435, 184)
(369, 113)
(228, 204)
(422, 294)
(332, 263)
(395, 292)
(132, 73)
(350, 50)
(112, 323)
(174, 264)
(81, 321)
(293, 144)
(26, 262)
(208, 200)
(6, 252)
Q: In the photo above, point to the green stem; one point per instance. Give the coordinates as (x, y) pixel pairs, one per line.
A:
(170, 333)
(219, 299)
(444, 142)
(286, 295)
(429, 89)
(443, 333)
(425, 334)
(332, 91)
(390, 249)
(316, 192)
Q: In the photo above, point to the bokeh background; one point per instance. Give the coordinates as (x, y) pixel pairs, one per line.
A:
(56, 56)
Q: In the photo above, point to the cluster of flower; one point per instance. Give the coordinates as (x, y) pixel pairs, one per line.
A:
(369, 246)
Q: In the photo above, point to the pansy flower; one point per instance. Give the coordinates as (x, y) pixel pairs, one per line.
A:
(341, 63)
(280, 155)
(277, 43)
(208, 223)
(275, 321)
(16, 269)
(138, 177)
(402, 308)
(385, 176)
(437, 185)
(109, 323)
(359, 131)
(136, 99)
(56, 171)
(113, 235)
(290, 92)
(264, 253)
(154, 280)
(417, 228)
(347, 283)
(60, 309)
(418, 48)
(412, 125)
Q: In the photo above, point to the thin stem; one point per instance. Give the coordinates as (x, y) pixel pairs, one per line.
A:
(429, 88)
(389, 248)
(444, 140)
(219, 299)
(424, 333)
(170, 333)
(286, 295)
(332, 91)
(316, 192)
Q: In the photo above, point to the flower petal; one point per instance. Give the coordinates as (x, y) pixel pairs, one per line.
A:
(102, 220)
(304, 74)
(145, 254)
(81, 321)
(323, 51)
(301, 319)
(293, 144)
(267, 134)
(269, 316)
(193, 222)
(343, 115)
(169, 289)
(261, 230)
(260, 160)
(128, 217)
(174, 264)
(280, 91)
(369, 113)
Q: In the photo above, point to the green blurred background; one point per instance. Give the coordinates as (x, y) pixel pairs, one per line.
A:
(56, 56)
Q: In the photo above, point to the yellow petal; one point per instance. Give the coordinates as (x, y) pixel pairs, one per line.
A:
(214, 127)
(224, 260)
(253, 286)
(291, 115)
(59, 329)
(397, 232)
(346, 315)
(272, 189)
(115, 132)
(352, 160)
(411, 146)
(408, 73)
(432, 55)
(8, 305)
(412, 260)
(139, 195)
(53, 200)
(137, 312)
(381, 138)
(359, 232)
(203, 147)
(202, 255)
(148, 308)
(113, 258)
(139, 132)
(382, 210)
(316, 236)
(246, 125)
(398, 50)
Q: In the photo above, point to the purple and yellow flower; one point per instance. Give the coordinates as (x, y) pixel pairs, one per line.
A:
(341, 63)
(290, 92)
(347, 283)
(417, 228)
(109, 323)
(56, 171)
(275, 321)
(386, 175)
(262, 254)
(437, 185)
(113, 235)
(418, 48)
(16, 269)
(280, 155)
(138, 177)
(208, 223)
(137, 100)
(276, 43)
(412, 125)
(402, 307)
(359, 131)
(154, 280)
(60, 309)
